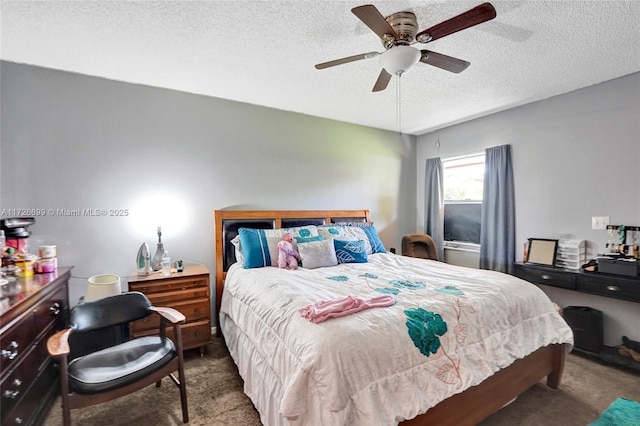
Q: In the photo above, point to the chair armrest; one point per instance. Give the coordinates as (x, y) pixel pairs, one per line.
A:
(58, 344)
(170, 314)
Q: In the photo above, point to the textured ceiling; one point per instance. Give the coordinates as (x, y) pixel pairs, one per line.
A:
(263, 52)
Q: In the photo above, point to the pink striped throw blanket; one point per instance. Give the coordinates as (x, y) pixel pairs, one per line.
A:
(325, 309)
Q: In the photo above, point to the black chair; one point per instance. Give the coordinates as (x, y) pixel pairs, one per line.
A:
(419, 245)
(125, 367)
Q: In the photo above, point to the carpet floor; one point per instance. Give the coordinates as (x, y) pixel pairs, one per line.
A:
(216, 398)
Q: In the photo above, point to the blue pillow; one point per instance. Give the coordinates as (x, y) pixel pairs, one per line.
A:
(309, 239)
(254, 248)
(374, 239)
(351, 251)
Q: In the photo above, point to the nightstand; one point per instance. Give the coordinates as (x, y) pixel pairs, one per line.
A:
(188, 292)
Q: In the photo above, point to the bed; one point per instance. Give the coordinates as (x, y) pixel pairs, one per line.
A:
(454, 346)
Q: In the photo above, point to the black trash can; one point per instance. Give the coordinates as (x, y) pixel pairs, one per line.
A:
(586, 324)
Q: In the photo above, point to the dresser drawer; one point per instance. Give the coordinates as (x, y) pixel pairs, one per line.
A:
(551, 278)
(15, 384)
(612, 287)
(17, 340)
(193, 310)
(169, 284)
(33, 406)
(31, 326)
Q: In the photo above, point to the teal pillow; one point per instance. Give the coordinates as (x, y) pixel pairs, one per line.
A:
(374, 239)
(309, 239)
(351, 251)
(254, 248)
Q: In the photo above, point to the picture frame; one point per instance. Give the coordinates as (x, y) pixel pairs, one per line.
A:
(542, 251)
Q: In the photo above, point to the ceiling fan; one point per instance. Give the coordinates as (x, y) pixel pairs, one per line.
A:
(399, 31)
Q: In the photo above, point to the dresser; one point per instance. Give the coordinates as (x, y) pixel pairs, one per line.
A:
(188, 292)
(31, 310)
(608, 285)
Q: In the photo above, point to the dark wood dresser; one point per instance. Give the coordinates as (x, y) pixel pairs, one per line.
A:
(607, 285)
(31, 310)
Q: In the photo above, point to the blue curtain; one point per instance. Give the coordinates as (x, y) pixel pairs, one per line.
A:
(434, 204)
(497, 234)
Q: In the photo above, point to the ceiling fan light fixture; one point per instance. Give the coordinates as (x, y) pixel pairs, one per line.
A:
(399, 59)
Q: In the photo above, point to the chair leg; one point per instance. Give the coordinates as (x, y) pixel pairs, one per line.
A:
(64, 392)
(158, 383)
(183, 382)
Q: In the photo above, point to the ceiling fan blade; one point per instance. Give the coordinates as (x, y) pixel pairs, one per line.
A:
(373, 19)
(382, 81)
(445, 62)
(475, 16)
(346, 60)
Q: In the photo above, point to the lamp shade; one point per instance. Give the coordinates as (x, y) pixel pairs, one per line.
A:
(102, 286)
(399, 59)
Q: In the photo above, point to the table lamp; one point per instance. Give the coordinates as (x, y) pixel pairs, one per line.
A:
(102, 286)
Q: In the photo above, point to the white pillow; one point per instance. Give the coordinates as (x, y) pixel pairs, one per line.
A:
(345, 233)
(317, 254)
(238, 250)
(274, 236)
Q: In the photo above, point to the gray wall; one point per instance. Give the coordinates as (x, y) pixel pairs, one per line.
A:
(575, 156)
(76, 142)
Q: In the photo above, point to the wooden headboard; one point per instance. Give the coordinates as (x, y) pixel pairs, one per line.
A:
(227, 223)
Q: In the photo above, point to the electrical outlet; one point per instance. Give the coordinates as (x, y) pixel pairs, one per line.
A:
(599, 222)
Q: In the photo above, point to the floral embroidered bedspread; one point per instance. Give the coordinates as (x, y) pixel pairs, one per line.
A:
(450, 328)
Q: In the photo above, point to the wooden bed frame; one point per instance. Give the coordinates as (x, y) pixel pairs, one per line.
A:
(466, 408)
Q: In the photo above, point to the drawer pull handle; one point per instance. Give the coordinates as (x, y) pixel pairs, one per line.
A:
(11, 394)
(12, 352)
(19, 420)
(17, 383)
(55, 309)
(613, 288)
(196, 311)
(545, 277)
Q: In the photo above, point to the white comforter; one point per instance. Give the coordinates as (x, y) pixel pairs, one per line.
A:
(450, 328)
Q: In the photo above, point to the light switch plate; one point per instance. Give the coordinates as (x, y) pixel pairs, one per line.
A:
(599, 222)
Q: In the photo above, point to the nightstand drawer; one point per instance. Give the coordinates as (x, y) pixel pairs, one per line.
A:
(611, 287)
(551, 278)
(193, 310)
(170, 298)
(169, 284)
(194, 334)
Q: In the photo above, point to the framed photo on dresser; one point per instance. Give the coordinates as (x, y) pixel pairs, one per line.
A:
(542, 251)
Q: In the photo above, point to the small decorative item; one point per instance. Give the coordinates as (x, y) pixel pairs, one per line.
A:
(542, 251)
(166, 264)
(143, 260)
(156, 263)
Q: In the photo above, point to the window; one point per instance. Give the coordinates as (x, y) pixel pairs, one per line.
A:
(463, 180)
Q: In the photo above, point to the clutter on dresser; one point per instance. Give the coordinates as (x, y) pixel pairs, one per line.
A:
(161, 261)
(14, 250)
(572, 254)
(623, 239)
(619, 265)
